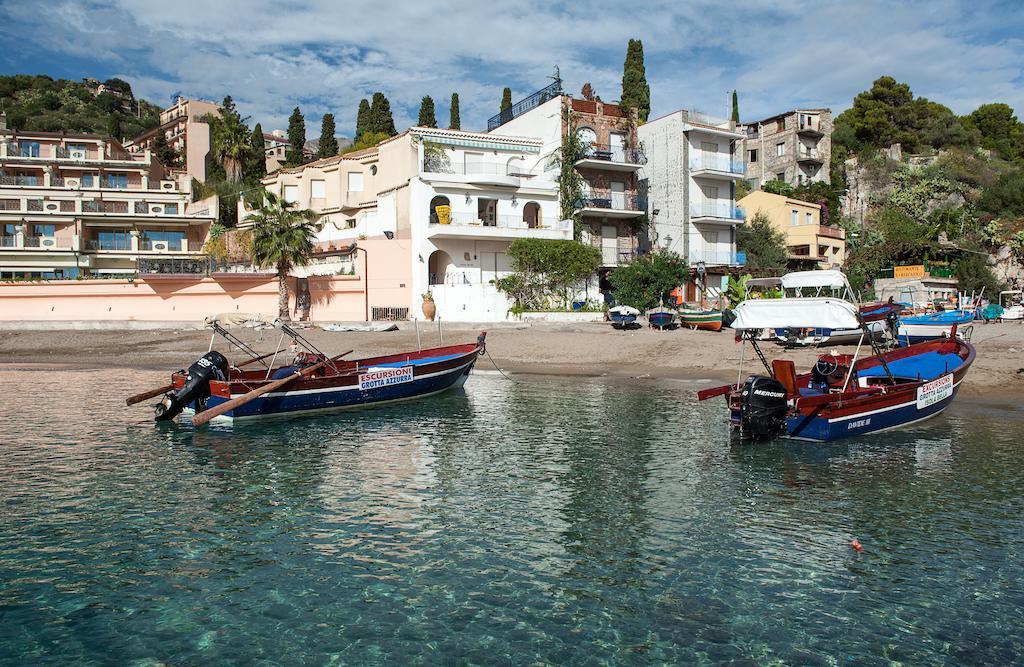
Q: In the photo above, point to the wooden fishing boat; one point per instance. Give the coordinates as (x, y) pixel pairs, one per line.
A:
(661, 317)
(706, 319)
(623, 316)
(920, 328)
(842, 395)
(311, 382)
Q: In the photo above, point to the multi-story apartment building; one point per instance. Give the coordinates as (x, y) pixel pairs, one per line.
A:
(78, 205)
(275, 146)
(610, 207)
(433, 211)
(810, 243)
(184, 124)
(693, 163)
(795, 147)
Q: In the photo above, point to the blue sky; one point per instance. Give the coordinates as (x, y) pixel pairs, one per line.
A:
(325, 55)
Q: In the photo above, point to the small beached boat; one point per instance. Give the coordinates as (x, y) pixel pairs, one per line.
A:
(919, 328)
(709, 319)
(1013, 309)
(833, 284)
(842, 395)
(661, 317)
(622, 316)
(212, 388)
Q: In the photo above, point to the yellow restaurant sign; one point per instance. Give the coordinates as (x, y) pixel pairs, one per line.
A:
(916, 271)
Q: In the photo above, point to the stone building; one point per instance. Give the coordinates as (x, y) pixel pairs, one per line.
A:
(794, 146)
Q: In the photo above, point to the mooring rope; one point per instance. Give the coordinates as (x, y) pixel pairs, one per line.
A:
(488, 353)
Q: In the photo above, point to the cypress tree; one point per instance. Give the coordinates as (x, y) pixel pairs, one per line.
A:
(735, 107)
(427, 117)
(296, 138)
(454, 123)
(506, 99)
(636, 94)
(256, 164)
(380, 119)
(328, 146)
(167, 156)
(362, 118)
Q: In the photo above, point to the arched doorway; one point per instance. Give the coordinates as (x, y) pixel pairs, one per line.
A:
(440, 210)
(531, 215)
(437, 266)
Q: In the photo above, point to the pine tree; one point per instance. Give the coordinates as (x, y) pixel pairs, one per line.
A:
(454, 122)
(380, 119)
(735, 107)
(427, 117)
(296, 138)
(328, 146)
(256, 165)
(362, 118)
(636, 94)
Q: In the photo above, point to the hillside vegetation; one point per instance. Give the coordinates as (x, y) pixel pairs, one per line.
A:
(42, 103)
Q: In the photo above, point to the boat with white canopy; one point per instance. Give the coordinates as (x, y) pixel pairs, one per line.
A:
(842, 395)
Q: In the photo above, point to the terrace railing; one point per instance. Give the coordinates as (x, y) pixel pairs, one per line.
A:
(615, 201)
(522, 106)
(614, 154)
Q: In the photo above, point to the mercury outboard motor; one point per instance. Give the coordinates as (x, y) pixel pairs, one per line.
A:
(763, 408)
(211, 366)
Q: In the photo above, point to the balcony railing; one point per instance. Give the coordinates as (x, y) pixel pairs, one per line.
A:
(434, 166)
(615, 201)
(176, 266)
(830, 232)
(611, 153)
(716, 257)
(717, 209)
(8, 242)
(808, 154)
(502, 221)
(21, 180)
(33, 242)
(522, 106)
(717, 162)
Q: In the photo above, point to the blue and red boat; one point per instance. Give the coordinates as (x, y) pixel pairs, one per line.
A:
(311, 383)
(842, 395)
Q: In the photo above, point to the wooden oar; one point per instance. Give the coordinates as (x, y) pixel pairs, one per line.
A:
(206, 415)
(138, 398)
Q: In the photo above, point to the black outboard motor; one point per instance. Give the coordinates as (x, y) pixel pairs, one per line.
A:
(763, 408)
(211, 366)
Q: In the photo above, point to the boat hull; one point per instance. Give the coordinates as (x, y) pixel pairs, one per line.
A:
(1013, 313)
(704, 320)
(829, 336)
(660, 320)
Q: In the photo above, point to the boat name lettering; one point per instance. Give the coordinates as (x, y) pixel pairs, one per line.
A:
(772, 394)
(932, 392)
(858, 423)
(385, 377)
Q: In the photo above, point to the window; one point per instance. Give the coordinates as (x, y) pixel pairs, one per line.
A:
(42, 230)
(78, 151)
(373, 170)
(587, 136)
(808, 219)
(174, 240)
(711, 238)
(116, 181)
(317, 189)
(780, 149)
(350, 223)
(794, 218)
(113, 240)
(752, 155)
(709, 147)
(170, 209)
(781, 176)
(28, 149)
(27, 178)
(87, 180)
(355, 181)
(291, 193)
(780, 125)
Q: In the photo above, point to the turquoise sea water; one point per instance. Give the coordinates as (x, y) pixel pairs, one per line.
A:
(548, 521)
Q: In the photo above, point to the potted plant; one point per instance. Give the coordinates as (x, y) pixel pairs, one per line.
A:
(429, 308)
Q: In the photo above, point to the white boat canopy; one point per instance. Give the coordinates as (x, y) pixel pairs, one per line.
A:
(828, 278)
(811, 313)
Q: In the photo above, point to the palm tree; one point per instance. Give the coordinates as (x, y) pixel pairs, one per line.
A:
(232, 145)
(282, 237)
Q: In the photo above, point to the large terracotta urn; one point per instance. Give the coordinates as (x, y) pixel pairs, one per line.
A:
(429, 308)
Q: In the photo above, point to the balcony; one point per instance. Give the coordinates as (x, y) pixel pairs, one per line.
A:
(511, 174)
(809, 156)
(612, 158)
(609, 204)
(717, 211)
(31, 181)
(467, 225)
(36, 152)
(717, 165)
(810, 127)
(171, 267)
(717, 257)
(831, 232)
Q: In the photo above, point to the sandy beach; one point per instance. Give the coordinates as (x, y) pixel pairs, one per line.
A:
(587, 349)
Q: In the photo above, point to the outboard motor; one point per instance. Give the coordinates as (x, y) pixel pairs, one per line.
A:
(763, 408)
(211, 366)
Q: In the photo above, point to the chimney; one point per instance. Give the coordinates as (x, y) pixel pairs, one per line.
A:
(3, 120)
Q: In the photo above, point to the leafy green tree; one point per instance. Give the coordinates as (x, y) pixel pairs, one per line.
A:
(328, 145)
(293, 156)
(636, 94)
(256, 165)
(649, 279)
(232, 145)
(283, 237)
(167, 156)
(764, 245)
(777, 187)
(454, 122)
(362, 118)
(735, 107)
(822, 194)
(570, 181)
(427, 117)
(546, 271)
(1006, 197)
(999, 129)
(974, 273)
(380, 118)
(368, 140)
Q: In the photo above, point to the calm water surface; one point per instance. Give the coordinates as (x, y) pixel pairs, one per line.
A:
(544, 521)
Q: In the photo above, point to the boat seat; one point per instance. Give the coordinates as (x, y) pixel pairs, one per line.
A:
(928, 366)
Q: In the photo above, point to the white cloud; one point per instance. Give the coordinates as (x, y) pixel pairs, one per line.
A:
(326, 56)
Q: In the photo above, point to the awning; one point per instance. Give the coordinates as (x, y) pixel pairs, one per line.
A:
(811, 313)
(829, 278)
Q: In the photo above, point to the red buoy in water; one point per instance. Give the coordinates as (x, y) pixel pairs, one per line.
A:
(856, 545)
